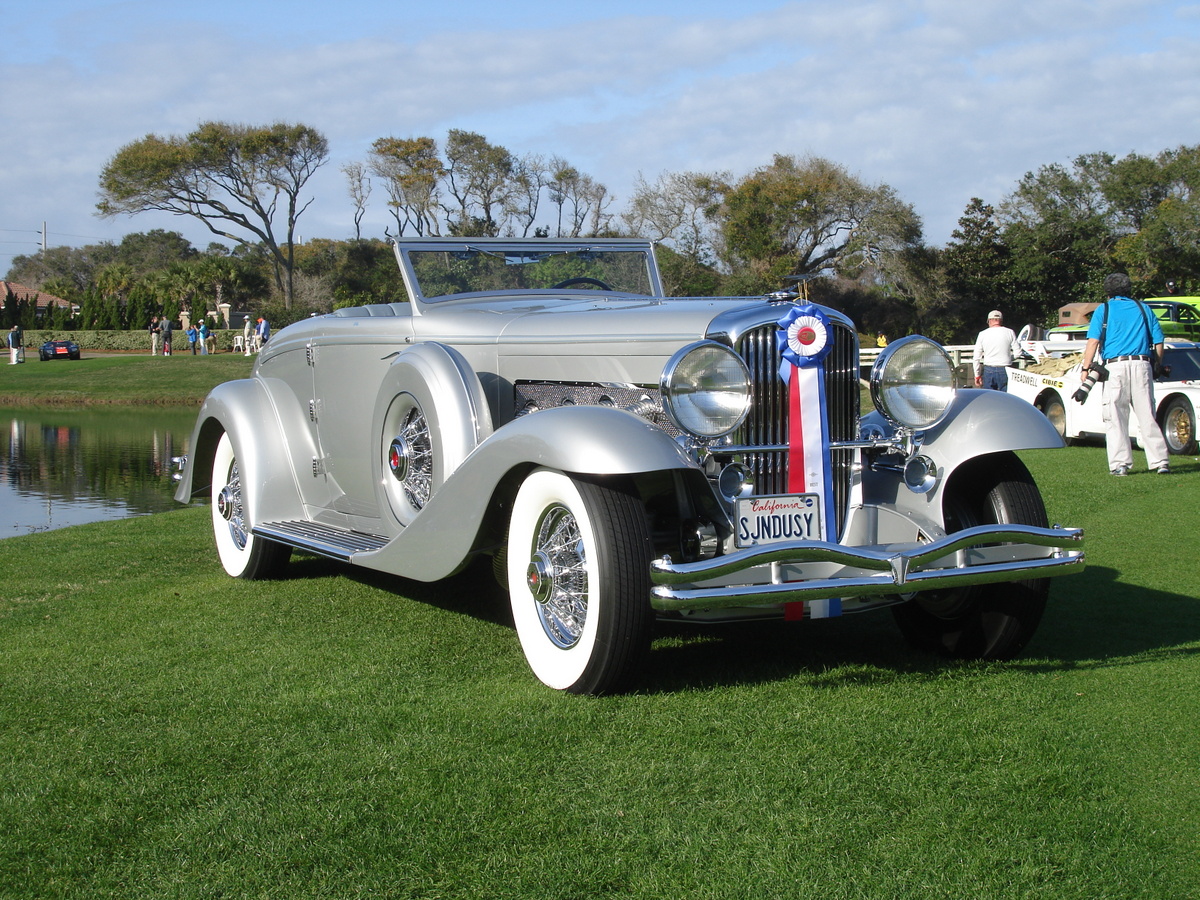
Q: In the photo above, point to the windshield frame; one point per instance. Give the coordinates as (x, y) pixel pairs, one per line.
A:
(514, 252)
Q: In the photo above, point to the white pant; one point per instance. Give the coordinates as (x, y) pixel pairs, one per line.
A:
(1130, 385)
(13, 355)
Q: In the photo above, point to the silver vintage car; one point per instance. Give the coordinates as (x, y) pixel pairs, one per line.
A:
(624, 456)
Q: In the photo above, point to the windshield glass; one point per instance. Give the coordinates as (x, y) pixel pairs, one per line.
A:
(466, 268)
(1185, 364)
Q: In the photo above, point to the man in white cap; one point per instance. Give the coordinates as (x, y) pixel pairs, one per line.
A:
(994, 349)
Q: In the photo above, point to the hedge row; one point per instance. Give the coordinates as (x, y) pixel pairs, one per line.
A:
(121, 341)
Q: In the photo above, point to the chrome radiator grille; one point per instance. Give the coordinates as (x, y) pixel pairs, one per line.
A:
(767, 424)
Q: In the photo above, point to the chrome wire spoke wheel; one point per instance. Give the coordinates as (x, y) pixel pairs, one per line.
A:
(229, 505)
(1179, 426)
(416, 444)
(409, 474)
(558, 577)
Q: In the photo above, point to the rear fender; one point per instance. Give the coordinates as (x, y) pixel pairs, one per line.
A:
(246, 410)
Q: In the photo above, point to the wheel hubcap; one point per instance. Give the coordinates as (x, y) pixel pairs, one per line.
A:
(1180, 428)
(540, 577)
(399, 458)
(226, 501)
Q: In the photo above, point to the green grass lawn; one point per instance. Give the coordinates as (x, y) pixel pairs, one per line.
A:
(119, 379)
(169, 732)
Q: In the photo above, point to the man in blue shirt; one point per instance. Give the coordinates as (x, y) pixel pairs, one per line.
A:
(262, 333)
(1129, 340)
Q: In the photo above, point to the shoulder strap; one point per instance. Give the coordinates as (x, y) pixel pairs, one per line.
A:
(1146, 322)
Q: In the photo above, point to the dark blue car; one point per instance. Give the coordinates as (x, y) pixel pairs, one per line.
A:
(59, 350)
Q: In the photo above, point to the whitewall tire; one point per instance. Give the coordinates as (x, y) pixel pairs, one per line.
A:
(242, 554)
(579, 581)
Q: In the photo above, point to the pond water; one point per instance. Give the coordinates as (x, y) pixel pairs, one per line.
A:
(61, 467)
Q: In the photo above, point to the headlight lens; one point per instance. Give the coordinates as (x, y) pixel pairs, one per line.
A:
(912, 382)
(706, 389)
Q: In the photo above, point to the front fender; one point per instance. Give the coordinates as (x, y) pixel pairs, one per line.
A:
(587, 440)
(983, 422)
(980, 423)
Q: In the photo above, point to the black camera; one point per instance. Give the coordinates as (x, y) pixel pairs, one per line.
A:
(1096, 373)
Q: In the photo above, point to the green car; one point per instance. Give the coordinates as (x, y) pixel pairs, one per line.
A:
(1179, 317)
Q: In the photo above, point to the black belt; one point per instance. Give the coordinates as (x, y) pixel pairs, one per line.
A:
(1130, 359)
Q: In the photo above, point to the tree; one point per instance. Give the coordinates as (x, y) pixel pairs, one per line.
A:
(75, 265)
(237, 177)
(411, 173)
(677, 210)
(359, 186)
(1060, 230)
(115, 284)
(154, 249)
(477, 177)
(1166, 246)
(584, 200)
(799, 217)
(530, 176)
(354, 272)
(976, 266)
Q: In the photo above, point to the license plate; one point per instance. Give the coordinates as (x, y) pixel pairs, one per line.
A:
(785, 517)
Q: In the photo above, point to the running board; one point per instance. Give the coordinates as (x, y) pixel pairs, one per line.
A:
(324, 540)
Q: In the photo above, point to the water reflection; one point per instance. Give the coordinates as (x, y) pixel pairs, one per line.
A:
(68, 467)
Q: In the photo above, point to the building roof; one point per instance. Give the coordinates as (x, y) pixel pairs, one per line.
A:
(20, 292)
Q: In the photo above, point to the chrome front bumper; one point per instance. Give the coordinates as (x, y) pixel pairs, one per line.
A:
(819, 570)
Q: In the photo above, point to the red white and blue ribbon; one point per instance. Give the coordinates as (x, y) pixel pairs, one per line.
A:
(804, 339)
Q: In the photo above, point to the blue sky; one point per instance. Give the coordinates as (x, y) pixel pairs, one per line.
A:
(944, 100)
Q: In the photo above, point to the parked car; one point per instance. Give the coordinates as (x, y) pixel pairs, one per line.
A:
(1178, 317)
(622, 456)
(58, 350)
(1049, 385)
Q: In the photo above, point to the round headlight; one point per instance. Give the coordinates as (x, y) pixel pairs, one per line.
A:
(706, 389)
(912, 382)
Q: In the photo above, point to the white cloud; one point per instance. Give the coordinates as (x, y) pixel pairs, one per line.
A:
(943, 100)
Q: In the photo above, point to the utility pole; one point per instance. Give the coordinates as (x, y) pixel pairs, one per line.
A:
(43, 238)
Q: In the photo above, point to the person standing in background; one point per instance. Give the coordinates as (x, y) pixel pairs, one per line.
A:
(262, 332)
(1130, 341)
(995, 348)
